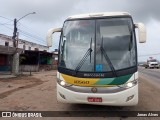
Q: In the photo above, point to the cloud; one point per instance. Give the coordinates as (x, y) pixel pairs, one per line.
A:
(56, 10)
(47, 10)
(144, 10)
(52, 13)
(141, 10)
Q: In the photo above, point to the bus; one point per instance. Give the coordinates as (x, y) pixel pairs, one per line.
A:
(97, 59)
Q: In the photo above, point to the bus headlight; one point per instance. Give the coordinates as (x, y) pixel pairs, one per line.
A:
(63, 83)
(129, 84)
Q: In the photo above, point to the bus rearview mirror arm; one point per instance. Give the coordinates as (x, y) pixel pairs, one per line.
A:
(141, 32)
(49, 35)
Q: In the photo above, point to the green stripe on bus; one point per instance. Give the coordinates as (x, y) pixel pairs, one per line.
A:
(114, 81)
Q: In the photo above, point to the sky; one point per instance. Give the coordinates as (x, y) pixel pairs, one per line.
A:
(52, 13)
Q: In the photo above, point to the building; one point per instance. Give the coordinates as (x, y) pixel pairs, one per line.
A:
(6, 53)
(21, 44)
(55, 58)
(9, 55)
(35, 61)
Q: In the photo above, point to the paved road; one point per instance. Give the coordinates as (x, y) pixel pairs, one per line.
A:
(152, 75)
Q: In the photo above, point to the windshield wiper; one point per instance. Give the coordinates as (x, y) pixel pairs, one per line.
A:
(80, 64)
(107, 59)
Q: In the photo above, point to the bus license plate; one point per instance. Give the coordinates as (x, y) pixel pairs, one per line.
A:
(94, 99)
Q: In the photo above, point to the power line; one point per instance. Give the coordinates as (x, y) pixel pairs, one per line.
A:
(32, 36)
(28, 36)
(35, 36)
(55, 45)
(30, 29)
(7, 27)
(5, 23)
(6, 18)
(148, 55)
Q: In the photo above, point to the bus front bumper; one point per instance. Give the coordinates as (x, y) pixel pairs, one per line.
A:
(128, 97)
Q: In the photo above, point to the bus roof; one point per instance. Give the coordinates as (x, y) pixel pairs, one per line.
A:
(100, 14)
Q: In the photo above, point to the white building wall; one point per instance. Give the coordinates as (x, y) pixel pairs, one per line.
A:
(3, 40)
(21, 43)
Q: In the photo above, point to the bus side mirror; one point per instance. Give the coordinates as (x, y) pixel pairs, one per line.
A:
(49, 35)
(141, 32)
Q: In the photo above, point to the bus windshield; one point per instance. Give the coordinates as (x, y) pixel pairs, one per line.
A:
(111, 42)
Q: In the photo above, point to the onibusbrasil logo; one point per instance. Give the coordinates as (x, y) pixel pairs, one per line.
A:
(21, 114)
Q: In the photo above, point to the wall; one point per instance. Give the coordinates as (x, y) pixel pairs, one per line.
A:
(21, 43)
(3, 40)
(5, 62)
(28, 68)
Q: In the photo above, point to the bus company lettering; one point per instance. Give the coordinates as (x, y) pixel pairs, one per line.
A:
(81, 82)
(93, 75)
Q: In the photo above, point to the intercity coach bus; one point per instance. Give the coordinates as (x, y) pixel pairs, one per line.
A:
(97, 62)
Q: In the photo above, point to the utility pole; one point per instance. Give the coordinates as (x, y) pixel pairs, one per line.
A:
(15, 62)
(14, 33)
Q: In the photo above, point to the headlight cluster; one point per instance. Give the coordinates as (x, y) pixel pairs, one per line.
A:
(129, 84)
(63, 83)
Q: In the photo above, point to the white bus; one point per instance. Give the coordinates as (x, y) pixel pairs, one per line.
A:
(98, 59)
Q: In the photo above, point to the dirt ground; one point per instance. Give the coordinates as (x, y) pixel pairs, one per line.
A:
(28, 92)
(38, 93)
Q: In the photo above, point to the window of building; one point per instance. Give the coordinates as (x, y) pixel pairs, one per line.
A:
(6, 43)
(36, 49)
